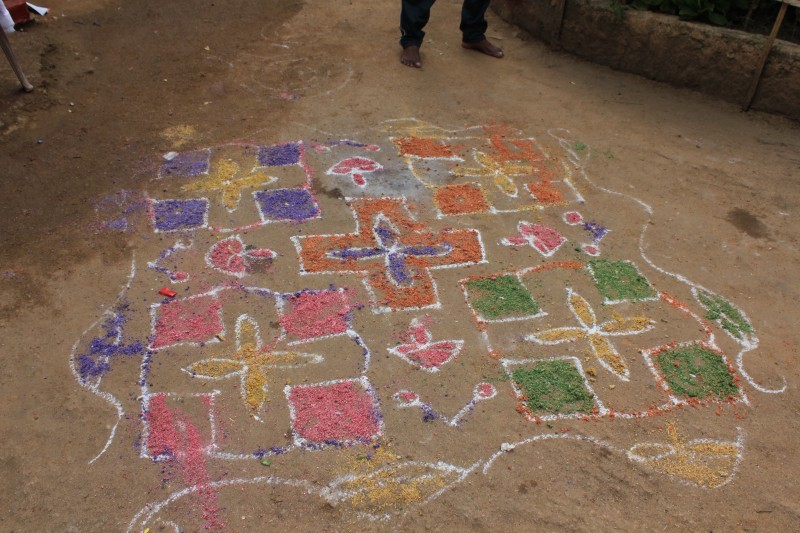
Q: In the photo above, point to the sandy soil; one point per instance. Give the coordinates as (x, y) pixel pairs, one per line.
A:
(106, 429)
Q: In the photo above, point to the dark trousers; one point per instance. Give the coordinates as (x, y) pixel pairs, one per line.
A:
(415, 14)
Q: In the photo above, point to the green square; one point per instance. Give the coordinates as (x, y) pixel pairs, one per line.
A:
(553, 387)
(696, 372)
(620, 281)
(501, 297)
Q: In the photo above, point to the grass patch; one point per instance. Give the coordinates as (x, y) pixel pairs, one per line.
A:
(696, 372)
(554, 387)
(620, 280)
(501, 297)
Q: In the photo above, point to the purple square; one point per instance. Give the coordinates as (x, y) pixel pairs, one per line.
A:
(286, 204)
(176, 215)
(187, 164)
(279, 155)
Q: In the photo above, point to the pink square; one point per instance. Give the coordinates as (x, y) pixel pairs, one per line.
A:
(316, 314)
(334, 412)
(193, 320)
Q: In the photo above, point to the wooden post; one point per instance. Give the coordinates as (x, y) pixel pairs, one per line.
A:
(764, 55)
(6, 46)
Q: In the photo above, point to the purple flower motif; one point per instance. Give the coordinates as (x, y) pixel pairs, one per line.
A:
(280, 155)
(598, 231)
(286, 204)
(177, 215)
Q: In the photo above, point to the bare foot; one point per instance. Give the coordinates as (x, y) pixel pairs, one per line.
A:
(410, 57)
(484, 46)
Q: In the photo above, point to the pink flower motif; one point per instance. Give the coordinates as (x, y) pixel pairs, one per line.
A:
(230, 256)
(591, 249)
(573, 218)
(355, 167)
(484, 391)
(544, 239)
(418, 350)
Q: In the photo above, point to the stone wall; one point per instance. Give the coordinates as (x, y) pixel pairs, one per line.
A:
(716, 61)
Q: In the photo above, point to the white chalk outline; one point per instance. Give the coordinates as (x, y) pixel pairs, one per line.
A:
(453, 421)
(169, 252)
(94, 388)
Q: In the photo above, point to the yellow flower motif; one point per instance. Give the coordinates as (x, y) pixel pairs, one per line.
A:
(596, 334)
(223, 177)
(252, 363)
(501, 172)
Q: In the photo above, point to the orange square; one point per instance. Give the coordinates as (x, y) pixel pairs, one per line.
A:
(423, 148)
(461, 199)
(546, 193)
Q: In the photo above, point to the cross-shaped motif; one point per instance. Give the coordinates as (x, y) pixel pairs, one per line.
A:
(395, 253)
(596, 334)
(252, 362)
(226, 176)
(392, 251)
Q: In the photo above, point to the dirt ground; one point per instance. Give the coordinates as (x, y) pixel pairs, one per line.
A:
(291, 385)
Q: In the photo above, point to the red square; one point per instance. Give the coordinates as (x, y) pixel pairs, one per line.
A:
(334, 412)
(314, 314)
(192, 321)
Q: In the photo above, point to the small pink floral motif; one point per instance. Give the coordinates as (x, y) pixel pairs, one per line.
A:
(355, 167)
(484, 391)
(407, 397)
(591, 249)
(544, 239)
(231, 256)
(573, 218)
(419, 351)
(340, 411)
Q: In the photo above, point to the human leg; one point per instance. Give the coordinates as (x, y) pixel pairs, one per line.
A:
(414, 16)
(473, 28)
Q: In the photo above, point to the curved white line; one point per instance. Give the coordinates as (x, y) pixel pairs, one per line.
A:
(147, 512)
(94, 388)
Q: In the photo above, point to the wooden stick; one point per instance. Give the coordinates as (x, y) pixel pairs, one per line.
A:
(6, 46)
(764, 55)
